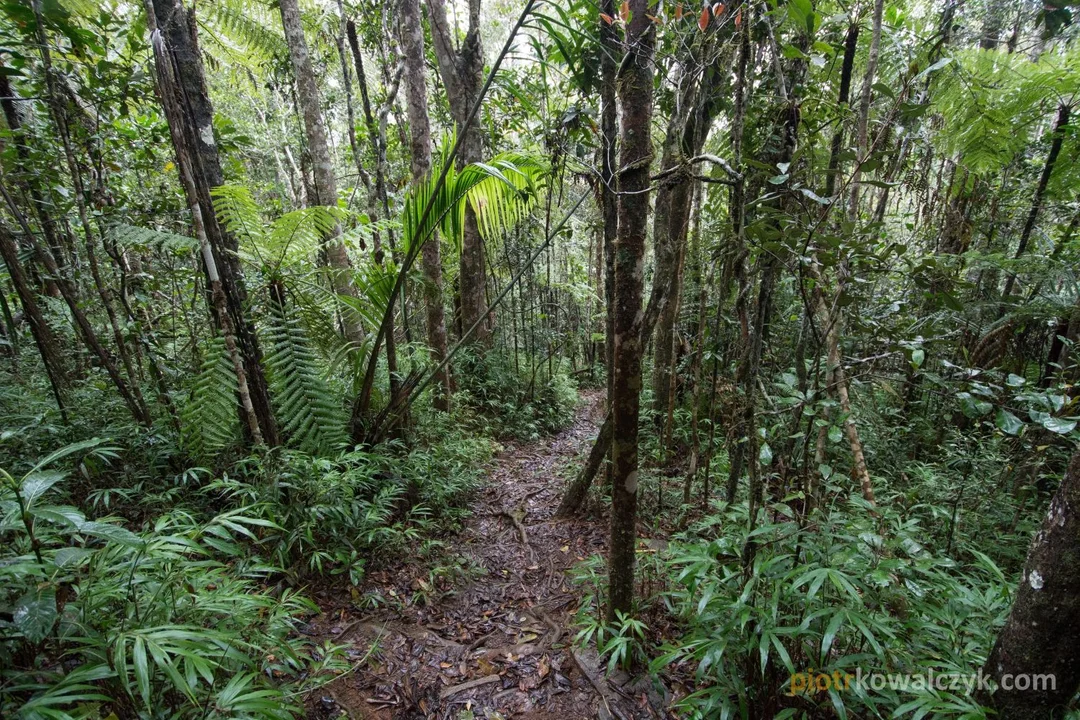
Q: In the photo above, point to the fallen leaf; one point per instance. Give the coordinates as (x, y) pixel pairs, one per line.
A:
(565, 549)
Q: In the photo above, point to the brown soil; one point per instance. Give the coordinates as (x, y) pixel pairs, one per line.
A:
(494, 641)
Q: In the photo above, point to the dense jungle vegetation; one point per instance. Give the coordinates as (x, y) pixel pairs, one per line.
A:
(291, 289)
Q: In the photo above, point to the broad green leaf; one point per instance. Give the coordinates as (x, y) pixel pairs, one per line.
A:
(35, 613)
(1007, 422)
(1061, 426)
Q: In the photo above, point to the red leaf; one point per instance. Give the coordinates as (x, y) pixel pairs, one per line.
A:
(607, 18)
(625, 11)
(738, 17)
(703, 21)
(678, 11)
(717, 8)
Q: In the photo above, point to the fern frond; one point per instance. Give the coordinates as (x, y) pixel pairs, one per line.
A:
(132, 237)
(246, 32)
(209, 419)
(311, 415)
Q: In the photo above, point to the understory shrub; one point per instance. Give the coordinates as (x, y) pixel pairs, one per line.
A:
(848, 588)
(515, 400)
(179, 620)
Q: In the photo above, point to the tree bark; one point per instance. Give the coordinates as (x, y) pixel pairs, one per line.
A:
(862, 128)
(1040, 191)
(167, 84)
(635, 89)
(609, 205)
(412, 45)
(462, 73)
(1043, 630)
(47, 344)
(376, 193)
(193, 116)
(322, 164)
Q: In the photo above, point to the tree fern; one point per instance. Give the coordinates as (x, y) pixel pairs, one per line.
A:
(140, 238)
(245, 32)
(209, 419)
(291, 238)
(311, 416)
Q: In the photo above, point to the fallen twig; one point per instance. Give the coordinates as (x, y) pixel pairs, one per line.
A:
(455, 689)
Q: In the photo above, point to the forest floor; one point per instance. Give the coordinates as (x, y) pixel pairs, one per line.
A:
(489, 635)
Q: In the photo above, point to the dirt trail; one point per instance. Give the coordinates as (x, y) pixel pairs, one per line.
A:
(491, 637)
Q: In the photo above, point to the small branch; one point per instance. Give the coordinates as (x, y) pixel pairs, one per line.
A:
(455, 689)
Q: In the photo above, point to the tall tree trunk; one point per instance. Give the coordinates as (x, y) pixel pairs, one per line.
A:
(1042, 633)
(635, 88)
(832, 318)
(862, 128)
(412, 45)
(462, 74)
(376, 194)
(322, 164)
(609, 205)
(58, 113)
(850, 45)
(665, 243)
(1060, 124)
(193, 115)
(690, 138)
(167, 85)
(82, 323)
(47, 344)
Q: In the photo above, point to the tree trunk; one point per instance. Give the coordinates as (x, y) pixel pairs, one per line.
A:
(412, 45)
(862, 128)
(376, 194)
(1040, 190)
(635, 88)
(58, 113)
(193, 115)
(462, 74)
(82, 324)
(609, 205)
(1043, 630)
(47, 344)
(167, 85)
(322, 164)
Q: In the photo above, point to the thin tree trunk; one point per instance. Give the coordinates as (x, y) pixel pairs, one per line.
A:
(47, 344)
(862, 130)
(635, 89)
(377, 193)
(609, 206)
(462, 74)
(412, 45)
(322, 164)
(58, 114)
(1040, 191)
(82, 324)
